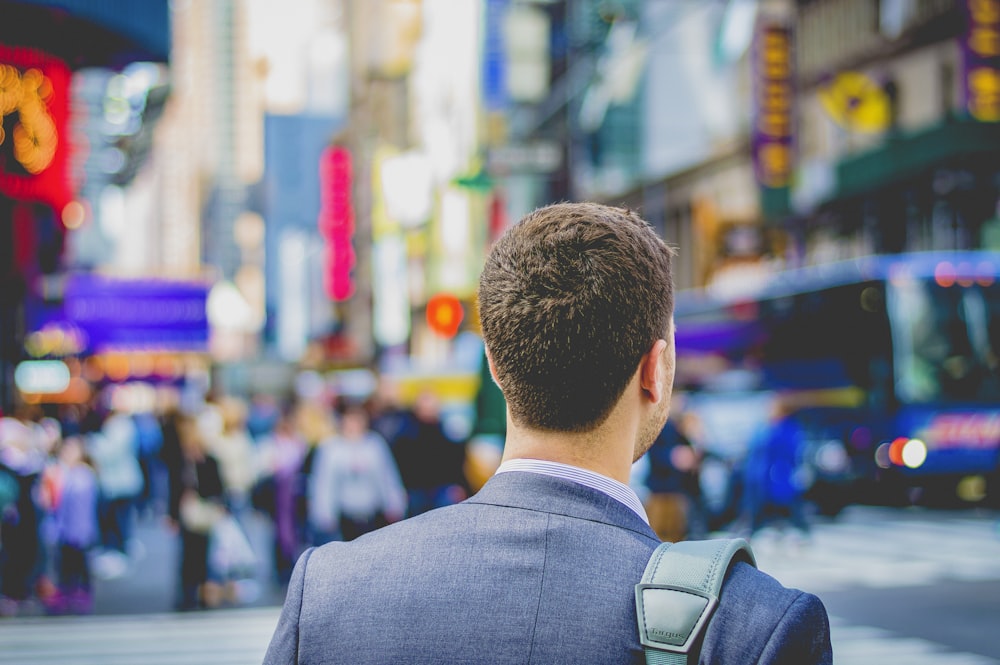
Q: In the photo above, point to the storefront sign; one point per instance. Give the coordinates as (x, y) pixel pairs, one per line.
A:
(857, 102)
(34, 107)
(964, 430)
(535, 157)
(773, 104)
(495, 97)
(121, 314)
(336, 222)
(981, 60)
(42, 376)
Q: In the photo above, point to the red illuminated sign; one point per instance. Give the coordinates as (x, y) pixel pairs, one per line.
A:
(964, 430)
(336, 222)
(34, 111)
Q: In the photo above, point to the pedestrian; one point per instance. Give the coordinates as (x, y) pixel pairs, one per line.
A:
(355, 486)
(387, 414)
(282, 453)
(113, 445)
(431, 464)
(312, 419)
(231, 445)
(262, 415)
(73, 503)
(21, 553)
(49, 487)
(773, 474)
(575, 302)
(672, 481)
(150, 442)
(195, 507)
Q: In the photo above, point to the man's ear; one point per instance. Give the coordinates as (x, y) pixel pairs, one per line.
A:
(651, 372)
(493, 368)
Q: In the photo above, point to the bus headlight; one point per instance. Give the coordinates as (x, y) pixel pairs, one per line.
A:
(914, 453)
(911, 453)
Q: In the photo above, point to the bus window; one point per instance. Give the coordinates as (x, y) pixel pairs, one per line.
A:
(831, 338)
(947, 339)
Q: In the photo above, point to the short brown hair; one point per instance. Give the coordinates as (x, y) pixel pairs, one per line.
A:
(570, 298)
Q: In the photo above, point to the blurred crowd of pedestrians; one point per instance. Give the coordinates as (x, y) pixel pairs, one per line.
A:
(74, 482)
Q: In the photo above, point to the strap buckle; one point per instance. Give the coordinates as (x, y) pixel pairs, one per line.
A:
(676, 616)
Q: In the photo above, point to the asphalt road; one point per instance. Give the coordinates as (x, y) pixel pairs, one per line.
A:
(907, 586)
(917, 577)
(964, 616)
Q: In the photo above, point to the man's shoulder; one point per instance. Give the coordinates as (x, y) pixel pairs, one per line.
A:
(758, 614)
(745, 583)
(416, 544)
(425, 527)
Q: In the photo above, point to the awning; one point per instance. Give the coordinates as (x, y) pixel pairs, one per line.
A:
(904, 157)
(89, 33)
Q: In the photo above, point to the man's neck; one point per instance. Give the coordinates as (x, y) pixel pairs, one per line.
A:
(609, 449)
(603, 450)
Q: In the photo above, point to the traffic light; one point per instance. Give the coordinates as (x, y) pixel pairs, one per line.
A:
(444, 314)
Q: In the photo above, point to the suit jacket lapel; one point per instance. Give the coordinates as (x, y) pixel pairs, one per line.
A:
(533, 491)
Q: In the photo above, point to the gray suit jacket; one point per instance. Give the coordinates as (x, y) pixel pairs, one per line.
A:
(532, 569)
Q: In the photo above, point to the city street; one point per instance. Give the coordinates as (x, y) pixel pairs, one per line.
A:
(901, 586)
(336, 260)
(906, 586)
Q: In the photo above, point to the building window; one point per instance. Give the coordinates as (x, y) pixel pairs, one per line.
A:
(946, 70)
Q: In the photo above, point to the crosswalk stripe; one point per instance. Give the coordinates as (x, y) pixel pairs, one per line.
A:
(223, 637)
(864, 645)
(880, 551)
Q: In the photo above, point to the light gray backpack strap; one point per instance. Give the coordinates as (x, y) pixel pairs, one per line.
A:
(678, 594)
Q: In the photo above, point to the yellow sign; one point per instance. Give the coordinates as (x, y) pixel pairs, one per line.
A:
(984, 94)
(774, 100)
(981, 61)
(35, 137)
(857, 102)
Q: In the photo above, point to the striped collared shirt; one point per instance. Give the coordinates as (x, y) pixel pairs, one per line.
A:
(616, 490)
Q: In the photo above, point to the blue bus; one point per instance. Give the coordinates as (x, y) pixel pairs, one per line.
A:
(892, 363)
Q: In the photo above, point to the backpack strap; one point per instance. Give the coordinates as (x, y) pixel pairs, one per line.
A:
(678, 594)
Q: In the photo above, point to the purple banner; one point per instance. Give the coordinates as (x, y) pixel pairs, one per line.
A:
(129, 315)
(773, 132)
(981, 60)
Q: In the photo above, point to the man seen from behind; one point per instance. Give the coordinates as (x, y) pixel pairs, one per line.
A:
(540, 566)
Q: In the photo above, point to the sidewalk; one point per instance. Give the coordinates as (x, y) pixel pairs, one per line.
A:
(146, 584)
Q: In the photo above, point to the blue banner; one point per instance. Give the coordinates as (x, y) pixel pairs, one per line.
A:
(129, 315)
(495, 97)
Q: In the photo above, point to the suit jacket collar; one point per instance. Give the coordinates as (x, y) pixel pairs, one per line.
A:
(533, 491)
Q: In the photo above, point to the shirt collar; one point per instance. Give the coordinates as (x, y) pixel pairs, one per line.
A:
(609, 486)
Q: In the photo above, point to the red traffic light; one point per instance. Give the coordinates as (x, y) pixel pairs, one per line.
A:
(444, 314)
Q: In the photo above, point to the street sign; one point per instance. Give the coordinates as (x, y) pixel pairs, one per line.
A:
(537, 157)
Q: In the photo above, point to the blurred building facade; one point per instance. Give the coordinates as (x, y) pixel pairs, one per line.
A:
(754, 134)
(422, 195)
(57, 147)
(336, 170)
(207, 172)
(899, 127)
(766, 134)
